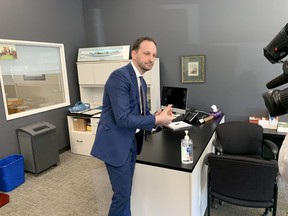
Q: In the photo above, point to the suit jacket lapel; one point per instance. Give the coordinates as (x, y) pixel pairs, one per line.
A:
(135, 83)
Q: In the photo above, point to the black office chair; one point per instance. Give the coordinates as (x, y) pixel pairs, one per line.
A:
(237, 172)
(242, 138)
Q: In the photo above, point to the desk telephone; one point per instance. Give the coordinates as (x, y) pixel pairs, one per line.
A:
(193, 115)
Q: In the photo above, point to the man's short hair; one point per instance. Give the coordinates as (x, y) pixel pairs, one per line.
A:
(138, 42)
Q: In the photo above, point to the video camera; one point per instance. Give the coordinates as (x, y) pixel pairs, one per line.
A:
(276, 100)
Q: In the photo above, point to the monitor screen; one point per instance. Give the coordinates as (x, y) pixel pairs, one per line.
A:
(176, 96)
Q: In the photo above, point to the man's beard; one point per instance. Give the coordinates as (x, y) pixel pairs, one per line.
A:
(146, 67)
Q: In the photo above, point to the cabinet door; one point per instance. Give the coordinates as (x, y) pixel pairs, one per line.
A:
(101, 73)
(117, 64)
(102, 70)
(81, 143)
(85, 73)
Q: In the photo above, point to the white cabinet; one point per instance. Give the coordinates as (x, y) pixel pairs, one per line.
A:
(96, 73)
(86, 76)
(81, 143)
(92, 77)
(170, 192)
(81, 139)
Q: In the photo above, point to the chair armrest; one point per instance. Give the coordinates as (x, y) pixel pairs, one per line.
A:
(206, 161)
(218, 147)
(272, 146)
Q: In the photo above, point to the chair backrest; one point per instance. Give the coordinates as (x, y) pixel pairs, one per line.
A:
(243, 178)
(240, 138)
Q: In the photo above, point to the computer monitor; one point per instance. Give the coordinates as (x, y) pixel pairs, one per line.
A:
(176, 96)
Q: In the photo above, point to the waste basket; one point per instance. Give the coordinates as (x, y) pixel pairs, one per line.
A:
(11, 172)
(39, 146)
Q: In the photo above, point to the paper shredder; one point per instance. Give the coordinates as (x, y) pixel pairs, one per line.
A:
(38, 145)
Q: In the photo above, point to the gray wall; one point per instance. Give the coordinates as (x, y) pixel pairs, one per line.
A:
(45, 21)
(231, 33)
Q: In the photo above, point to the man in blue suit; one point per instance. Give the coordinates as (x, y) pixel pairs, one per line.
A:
(119, 135)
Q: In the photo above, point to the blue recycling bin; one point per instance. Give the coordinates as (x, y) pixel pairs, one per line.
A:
(11, 172)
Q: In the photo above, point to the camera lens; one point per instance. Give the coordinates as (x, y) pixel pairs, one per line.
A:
(276, 101)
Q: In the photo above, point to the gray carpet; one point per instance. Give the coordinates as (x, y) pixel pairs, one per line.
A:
(79, 186)
(64, 190)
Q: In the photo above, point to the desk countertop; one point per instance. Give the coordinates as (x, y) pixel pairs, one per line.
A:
(163, 149)
(273, 132)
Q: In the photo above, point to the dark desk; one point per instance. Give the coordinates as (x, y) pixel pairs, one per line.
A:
(274, 136)
(162, 149)
(162, 185)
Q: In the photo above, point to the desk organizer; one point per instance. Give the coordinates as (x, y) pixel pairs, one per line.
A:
(11, 172)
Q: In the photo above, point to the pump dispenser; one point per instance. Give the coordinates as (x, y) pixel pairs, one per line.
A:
(186, 149)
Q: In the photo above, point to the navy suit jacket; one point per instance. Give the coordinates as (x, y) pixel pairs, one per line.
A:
(120, 117)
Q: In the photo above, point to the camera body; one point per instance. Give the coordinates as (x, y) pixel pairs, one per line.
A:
(276, 100)
(277, 49)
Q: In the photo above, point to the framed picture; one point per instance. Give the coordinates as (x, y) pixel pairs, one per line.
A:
(103, 53)
(193, 68)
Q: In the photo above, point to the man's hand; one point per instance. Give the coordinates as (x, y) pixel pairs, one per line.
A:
(165, 116)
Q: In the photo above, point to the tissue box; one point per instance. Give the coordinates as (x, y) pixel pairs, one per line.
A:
(268, 124)
(254, 119)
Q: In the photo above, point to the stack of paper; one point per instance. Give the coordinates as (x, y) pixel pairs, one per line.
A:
(179, 125)
(92, 112)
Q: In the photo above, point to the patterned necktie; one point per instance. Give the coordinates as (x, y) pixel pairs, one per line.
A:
(142, 95)
(143, 103)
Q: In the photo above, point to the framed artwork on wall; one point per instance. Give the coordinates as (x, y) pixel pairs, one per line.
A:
(193, 68)
(103, 53)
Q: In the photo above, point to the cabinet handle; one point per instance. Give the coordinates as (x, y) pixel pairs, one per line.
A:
(79, 141)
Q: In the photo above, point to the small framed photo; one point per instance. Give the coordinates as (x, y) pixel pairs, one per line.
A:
(193, 68)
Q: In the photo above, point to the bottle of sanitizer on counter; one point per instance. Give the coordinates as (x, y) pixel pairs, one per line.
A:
(186, 149)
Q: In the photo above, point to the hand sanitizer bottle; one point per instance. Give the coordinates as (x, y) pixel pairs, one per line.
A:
(186, 149)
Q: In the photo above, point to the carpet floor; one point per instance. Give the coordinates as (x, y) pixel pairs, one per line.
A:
(79, 186)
